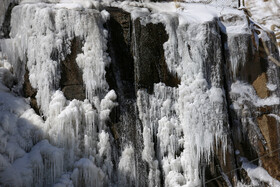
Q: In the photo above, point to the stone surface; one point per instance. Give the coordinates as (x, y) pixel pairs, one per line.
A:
(29, 91)
(149, 67)
(121, 52)
(252, 139)
(5, 16)
(120, 75)
(137, 62)
(71, 81)
(260, 86)
(268, 126)
(150, 62)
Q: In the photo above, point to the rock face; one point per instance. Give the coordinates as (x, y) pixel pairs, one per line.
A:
(146, 41)
(120, 75)
(144, 99)
(150, 67)
(71, 81)
(266, 12)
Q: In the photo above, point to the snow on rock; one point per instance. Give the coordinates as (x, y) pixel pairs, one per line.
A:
(79, 149)
(267, 14)
(74, 127)
(271, 87)
(41, 37)
(245, 103)
(258, 174)
(24, 153)
(189, 120)
(243, 93)
(64, 181)
(73, 146)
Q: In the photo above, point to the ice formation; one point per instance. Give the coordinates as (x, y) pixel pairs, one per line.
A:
(70, 142)
(126, 167)
(196, 106)
(75, 128)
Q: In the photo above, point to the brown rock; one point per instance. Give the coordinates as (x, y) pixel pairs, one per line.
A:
(271, 161)
(260, 86)
(74, 92)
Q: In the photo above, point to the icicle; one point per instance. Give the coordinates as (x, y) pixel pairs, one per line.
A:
(87, 173)
(126, 167)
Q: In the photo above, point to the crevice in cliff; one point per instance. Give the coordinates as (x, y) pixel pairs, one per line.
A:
(226, 83)
(124, 123)
(29, 91)
(120, 74)
(6, 25)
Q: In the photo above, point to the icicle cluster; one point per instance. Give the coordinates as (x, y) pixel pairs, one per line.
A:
(41, 36)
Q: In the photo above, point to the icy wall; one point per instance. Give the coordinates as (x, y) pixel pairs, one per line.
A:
(133, 94)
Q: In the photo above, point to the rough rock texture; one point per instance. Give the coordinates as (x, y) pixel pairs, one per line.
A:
(268, 127)
(259, 85)
(5, 17)
(29, 91)
(259, 137)
(150, 64)
(138, 62)
(71, 81)
(150, 67)
(125, 124)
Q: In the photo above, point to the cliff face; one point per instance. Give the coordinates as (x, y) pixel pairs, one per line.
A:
(137, 94)
(266, 12)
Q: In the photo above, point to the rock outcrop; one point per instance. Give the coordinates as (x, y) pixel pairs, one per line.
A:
(136, 96)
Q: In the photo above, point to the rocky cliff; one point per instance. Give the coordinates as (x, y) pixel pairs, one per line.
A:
(137, 94)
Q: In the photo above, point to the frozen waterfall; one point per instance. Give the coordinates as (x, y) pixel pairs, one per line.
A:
(105, 93)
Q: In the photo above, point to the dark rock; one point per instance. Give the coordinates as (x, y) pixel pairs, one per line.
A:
(150, 62)
(5, 29)
(29, 91)
(124, 124)
(253, 141)
(74, 92)
(71, 82)
(120, 51)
